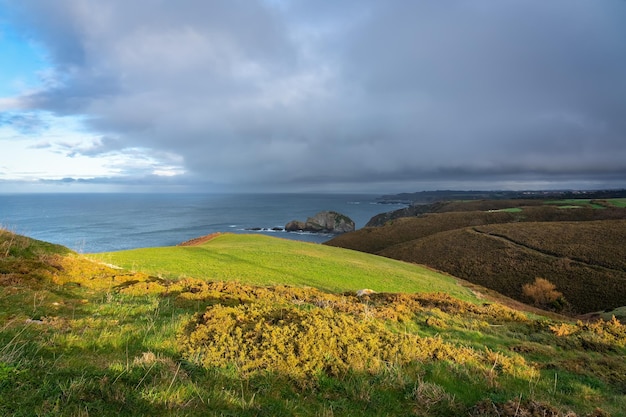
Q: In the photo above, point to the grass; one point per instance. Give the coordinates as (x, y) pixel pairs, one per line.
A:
(263, 260)
(585, 202)
(618, 202)
(620, 313)
(507, 210)
(570, 207)
(78, 338)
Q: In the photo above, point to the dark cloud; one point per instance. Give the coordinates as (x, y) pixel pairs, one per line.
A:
(270, 94)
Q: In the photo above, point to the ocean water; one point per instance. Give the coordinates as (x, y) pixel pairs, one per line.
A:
(90, 223)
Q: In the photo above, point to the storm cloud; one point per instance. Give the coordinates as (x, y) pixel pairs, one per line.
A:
(289, 95)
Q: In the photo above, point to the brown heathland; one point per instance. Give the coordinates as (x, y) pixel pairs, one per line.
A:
(581, 250)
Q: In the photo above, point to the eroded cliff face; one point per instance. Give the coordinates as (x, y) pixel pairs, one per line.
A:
(323, 222)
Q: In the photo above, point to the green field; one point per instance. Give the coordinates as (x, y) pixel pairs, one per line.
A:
(507, 210)
(618, 202)
(586, 202)
(262, 260)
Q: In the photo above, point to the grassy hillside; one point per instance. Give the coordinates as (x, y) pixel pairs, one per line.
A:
(576, 245)
(79, 338)
(263, 260)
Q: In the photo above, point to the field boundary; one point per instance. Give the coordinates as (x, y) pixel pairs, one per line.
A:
(197, 241)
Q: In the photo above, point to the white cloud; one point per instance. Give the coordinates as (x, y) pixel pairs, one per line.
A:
(65, 150)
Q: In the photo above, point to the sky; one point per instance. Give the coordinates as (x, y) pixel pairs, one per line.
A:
(312, 96)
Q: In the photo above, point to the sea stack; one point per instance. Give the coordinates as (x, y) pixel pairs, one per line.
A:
(323, 222)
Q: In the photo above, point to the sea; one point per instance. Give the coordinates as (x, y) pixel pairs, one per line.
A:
(91, 223)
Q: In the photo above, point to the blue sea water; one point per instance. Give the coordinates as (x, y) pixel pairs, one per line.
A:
(90, 223)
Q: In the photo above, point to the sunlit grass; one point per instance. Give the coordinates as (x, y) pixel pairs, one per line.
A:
(262, 260)
(507, 210)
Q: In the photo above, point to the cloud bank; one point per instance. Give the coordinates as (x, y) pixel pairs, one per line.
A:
(358, 95)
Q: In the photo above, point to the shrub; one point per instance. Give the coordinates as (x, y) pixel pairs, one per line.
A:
(543, 293)
(597, 336)
(305, 342)
(292, 341)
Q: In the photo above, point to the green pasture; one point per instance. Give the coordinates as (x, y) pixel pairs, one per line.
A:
(586, 202)
(574, 203)
(263, 260)
(507, 210)
(618, 202)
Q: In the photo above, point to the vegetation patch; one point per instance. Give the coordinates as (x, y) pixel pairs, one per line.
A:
(617, 202)
(263, 260)
(598, 335)
(580, 251)
(84, 338)
(296, 342)
(507, 210)
(582, 202)
(619, 313)
(304, 343)
(454, 216)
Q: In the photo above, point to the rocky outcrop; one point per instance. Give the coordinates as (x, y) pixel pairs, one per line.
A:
(294, 226)
(323, 222)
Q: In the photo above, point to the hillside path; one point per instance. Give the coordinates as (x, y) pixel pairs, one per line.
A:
(544, 252)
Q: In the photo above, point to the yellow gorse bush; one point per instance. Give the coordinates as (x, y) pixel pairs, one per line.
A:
(302, 341)
(302, 332)
(598, 335)
(397, 307)
(294, 341)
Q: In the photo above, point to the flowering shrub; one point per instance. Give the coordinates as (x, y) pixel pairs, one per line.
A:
(294, 341)
(302, 341)
(600, 335)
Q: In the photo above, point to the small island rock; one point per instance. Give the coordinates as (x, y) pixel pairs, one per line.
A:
(294, 226)
(323, 222)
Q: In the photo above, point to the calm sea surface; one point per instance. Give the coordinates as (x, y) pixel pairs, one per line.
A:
(106, 222)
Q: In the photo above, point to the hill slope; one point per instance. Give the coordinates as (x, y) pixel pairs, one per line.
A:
(581, 249)
(263, 260)
(577, 257)
(82, 338)
(454, 215)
